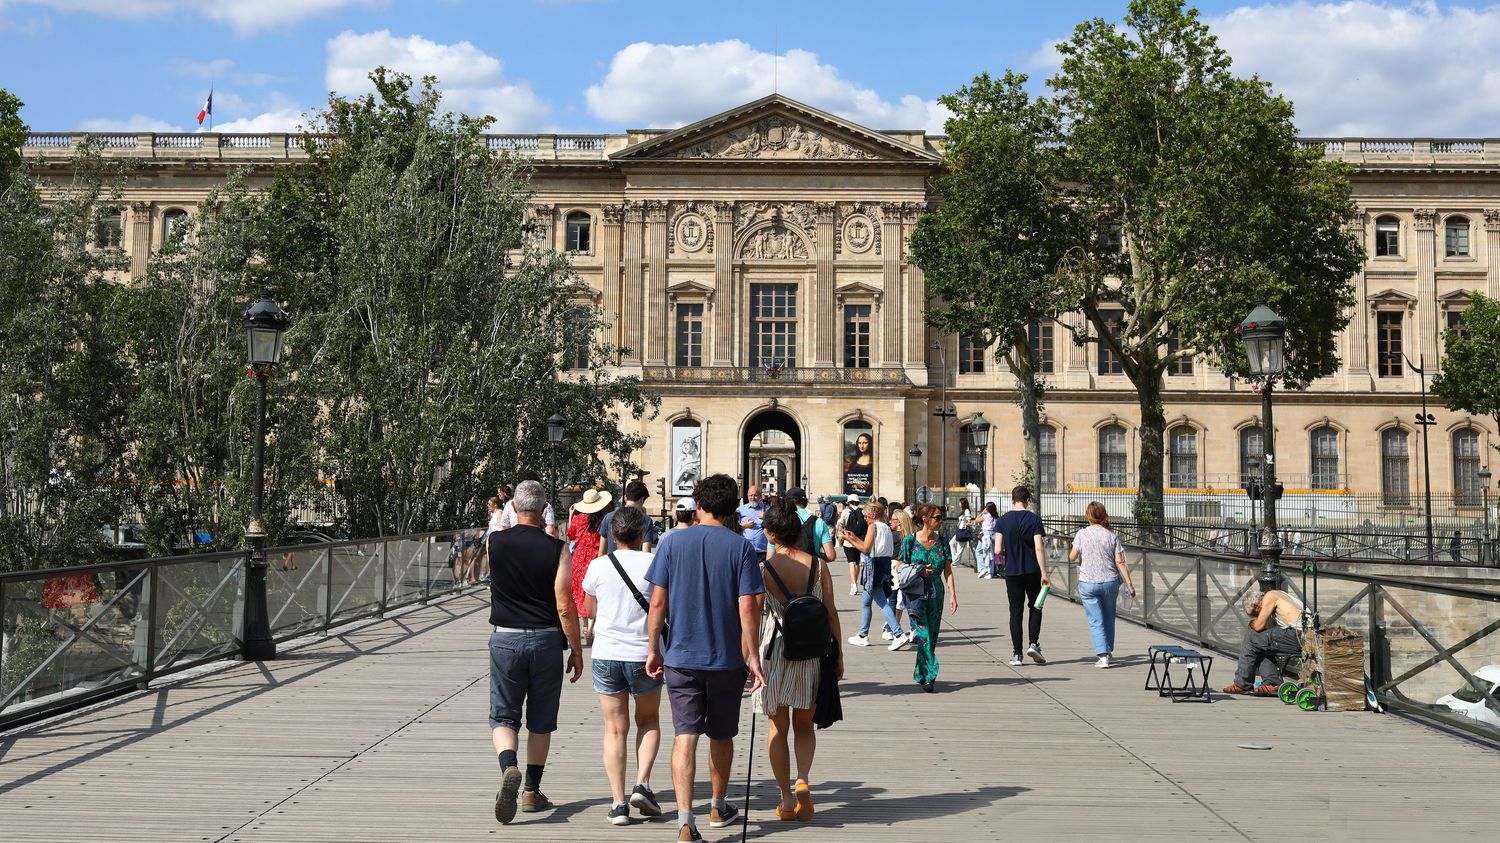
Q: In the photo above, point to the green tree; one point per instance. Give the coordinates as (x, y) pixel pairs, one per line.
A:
(1470, 377)
(12, 134)
(60, 446)
(429, 322)
(1202, 199)
(991, 248)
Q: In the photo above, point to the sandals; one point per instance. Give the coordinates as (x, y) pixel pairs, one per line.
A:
(804, 802)
(1266, 691)
(1235, 689)
(785, 815)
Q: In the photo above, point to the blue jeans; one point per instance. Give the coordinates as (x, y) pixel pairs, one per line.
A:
(984, 561)
(879, 593)
(1099, 604)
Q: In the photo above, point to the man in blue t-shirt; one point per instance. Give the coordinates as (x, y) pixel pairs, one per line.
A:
(750, 515)
(635, 495)
(707, 578)
(1020, 533)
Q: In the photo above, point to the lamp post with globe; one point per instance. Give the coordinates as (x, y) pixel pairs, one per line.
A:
(1264, 334)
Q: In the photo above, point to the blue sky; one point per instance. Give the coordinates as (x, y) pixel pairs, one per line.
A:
(1362, 67)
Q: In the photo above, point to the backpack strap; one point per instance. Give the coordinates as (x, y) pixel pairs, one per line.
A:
(782, 585)
(629, 583)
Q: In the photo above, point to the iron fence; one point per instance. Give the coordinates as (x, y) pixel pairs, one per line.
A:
(70, 636)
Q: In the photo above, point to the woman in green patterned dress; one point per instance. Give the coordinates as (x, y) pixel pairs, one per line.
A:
(927, 549)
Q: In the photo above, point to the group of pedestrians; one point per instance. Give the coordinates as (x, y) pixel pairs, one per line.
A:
(733, 598)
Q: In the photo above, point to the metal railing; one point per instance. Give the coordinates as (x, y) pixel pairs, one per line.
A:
(790, 374)
(71, 636)
(1425, 640)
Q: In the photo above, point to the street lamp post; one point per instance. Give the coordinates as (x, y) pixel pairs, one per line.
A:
(265, 324)
(915, 455)
(556, 424)
(944, 412)
(979, 439)
(1264, 334)
(1486, 551)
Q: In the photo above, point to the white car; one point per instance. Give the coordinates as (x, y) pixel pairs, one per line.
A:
(1469, 702)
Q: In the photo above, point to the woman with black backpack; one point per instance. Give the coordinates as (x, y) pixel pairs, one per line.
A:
(801, 625)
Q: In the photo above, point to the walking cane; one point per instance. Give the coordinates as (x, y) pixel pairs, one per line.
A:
(749, 764)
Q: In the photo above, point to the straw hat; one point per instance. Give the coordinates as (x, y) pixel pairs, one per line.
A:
(592, 501)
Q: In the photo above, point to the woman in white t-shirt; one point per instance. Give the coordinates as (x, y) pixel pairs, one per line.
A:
(1101, 570)
(619, 656)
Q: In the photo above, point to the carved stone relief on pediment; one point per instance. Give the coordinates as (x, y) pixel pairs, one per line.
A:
(773, 138)
(799, 214)
(774, 242)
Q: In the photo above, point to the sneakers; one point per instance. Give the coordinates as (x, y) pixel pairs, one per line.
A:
(859, 640)
(687, 833)
(719, 818)
(533, 801)
(505, 799)
(1016, 660)
(620, 814)
(1103, 661)
(853, 589)
(887, 635)
(1035, 651)
(643, 800)
(899, 642)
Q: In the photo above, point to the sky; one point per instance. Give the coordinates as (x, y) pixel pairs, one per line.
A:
(1367, 68)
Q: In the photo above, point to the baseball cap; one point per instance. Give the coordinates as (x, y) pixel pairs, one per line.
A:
(796, 494)
(686, 505)
(852, 499)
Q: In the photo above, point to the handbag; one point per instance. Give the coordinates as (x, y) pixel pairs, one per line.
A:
(666, 625)
(964, 534)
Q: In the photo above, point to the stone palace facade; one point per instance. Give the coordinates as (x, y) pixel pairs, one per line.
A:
(754, 266)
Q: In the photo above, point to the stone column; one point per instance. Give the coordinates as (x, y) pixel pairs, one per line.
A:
(609, 255)
(138, 238)
(1358, 359)
(726, 293)
(656, 283)
(914, 304)
(1492, 250)
(825, 321)
(1425, 240)
(891, 317)
(632, 287)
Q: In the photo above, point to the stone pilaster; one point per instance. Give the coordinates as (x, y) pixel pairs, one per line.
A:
(632, 308)
(892, 298)
(914, 357)
(609, 254)
(138, 238)
(1492, 250)
(826, 321)
(726, 290)
(1425, 240)
(656, 283)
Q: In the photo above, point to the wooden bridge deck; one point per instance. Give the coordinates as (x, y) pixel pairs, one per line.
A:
(379, 734)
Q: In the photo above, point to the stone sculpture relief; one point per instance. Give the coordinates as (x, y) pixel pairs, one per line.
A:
(858, 230)
(799, 214)
(776, 137)
(692, 228)
(774, 243)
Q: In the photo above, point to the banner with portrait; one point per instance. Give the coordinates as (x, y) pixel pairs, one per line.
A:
(859, 459)
(687, 457)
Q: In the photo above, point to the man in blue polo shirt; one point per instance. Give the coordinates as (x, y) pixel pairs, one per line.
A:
(750, 515)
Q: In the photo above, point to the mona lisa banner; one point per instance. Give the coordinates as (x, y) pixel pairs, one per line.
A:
(859, 460)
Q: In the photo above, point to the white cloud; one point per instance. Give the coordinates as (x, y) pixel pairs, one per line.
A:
(283, 120)
(666, 85)
(472, 81)
(133, 123)
(245, 16)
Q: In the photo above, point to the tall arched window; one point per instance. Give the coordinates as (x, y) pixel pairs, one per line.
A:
(1387, 237)
(1046, 473)
(171, 221)
(1466, 488)
(1395, 468)
(1325, 458)
(1112, 473)
(1182, 442)
(580, 232)
(1252, 451)
(1456, 237)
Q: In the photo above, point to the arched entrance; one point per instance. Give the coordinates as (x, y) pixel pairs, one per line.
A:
(771, 453)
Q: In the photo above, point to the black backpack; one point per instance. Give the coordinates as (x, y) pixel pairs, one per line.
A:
(807, 540)
(803, 626)
(857, 523)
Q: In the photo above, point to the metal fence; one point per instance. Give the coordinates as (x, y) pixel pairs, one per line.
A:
(1298, 508)
(1425, 641)
(69, 636)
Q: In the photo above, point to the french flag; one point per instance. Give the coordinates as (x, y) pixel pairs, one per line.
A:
(207, 109)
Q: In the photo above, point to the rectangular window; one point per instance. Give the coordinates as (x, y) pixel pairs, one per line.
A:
(1039, 338)
(1455, 322)
(1456, 239)
(1112, 457)
(1387, 237)
(690, 334)
(1388, 343)
(1325, 459)
(1467, 490)
(1182, 365)
(111, 230)
(1184, 467)
(1046, 474)
(857, 336)
(773, 324)
(1109, 362)
(970, 355)
(1395, 468)
(576, 334)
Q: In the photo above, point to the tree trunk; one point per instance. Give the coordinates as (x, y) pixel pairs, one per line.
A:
(1149, 508)
(1029, 394)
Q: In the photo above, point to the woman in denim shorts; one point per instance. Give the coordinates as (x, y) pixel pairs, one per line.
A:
(619, 654)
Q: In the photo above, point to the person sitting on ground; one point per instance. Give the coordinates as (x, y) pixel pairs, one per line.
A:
(1269, 644)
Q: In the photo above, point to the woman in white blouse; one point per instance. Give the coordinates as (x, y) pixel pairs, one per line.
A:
(1101, 569)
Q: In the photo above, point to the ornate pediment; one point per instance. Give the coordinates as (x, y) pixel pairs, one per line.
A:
(775, 128)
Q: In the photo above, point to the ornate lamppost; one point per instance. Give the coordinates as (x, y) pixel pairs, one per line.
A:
(1486, 550)
(1264, 333)
(979, 439)
(265, 324)
(556, 425)
(915, 455)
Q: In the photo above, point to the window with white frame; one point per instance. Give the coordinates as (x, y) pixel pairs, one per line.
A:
(1456, 237)
(773, 324)
(1252, 452)
(1467, 490)
(689, 319)
(1388, 330)
(970, 355)
(1395, 468)
(857, 319)
(1182, 442)
(171, 222)
(1387, 237)
(1324, 443)
(580, 229)
(1112, 474)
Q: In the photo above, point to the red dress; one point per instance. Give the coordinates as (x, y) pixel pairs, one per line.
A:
(585, 550)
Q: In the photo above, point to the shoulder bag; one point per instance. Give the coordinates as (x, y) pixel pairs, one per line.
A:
(666, 625)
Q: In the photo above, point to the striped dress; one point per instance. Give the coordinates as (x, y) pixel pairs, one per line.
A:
(789, 683)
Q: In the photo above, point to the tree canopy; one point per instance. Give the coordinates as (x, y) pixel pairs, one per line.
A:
(1470, 377)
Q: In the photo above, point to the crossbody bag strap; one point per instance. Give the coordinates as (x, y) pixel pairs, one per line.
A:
(629, 583)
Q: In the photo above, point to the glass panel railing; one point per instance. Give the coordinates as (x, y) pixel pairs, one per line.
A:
(297, 590)
(405, 571)
(1439, 655)
(354, 579)
(197, 610)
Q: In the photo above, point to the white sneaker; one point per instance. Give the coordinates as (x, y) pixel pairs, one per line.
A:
(1016, 660)
(1103, 661)
(853, 589)
(885, 635)
(1035, 651)
(859, 640)
(899, 643)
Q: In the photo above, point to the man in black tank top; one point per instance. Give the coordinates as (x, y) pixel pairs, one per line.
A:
(532, 617)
